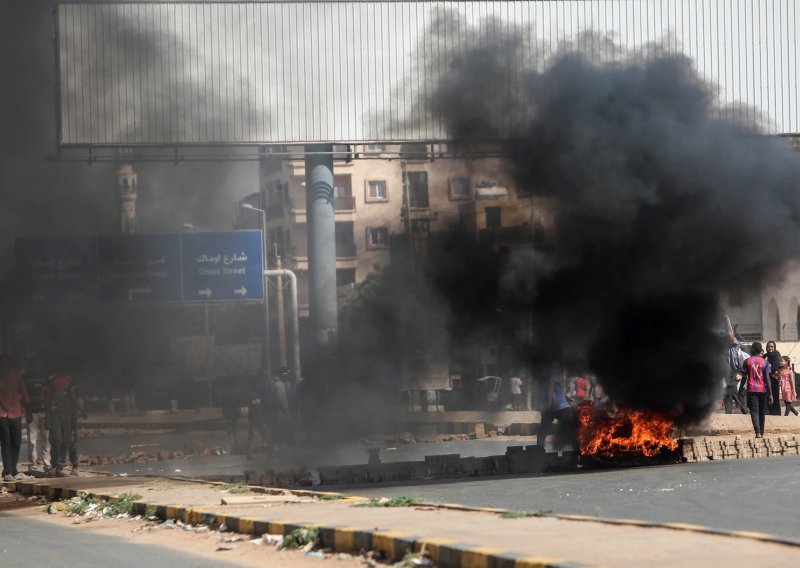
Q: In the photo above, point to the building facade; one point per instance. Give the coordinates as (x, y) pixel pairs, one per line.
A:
(384, 194)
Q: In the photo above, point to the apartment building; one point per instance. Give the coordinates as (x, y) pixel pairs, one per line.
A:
(383, 194)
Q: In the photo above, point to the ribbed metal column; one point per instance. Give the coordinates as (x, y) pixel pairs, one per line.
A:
(321, 243)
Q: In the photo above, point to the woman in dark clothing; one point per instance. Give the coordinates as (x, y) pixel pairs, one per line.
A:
(773, 357)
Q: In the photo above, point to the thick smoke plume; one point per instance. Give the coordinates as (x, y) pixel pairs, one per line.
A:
(658, 205)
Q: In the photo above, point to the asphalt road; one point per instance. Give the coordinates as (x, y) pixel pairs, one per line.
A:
(29, 543)
(753, 494)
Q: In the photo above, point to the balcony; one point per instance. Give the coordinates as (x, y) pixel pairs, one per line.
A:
(347, 203)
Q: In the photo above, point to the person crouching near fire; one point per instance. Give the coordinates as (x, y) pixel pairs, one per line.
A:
(756, 384)
(555, 406)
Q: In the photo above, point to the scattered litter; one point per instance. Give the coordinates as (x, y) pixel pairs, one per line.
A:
(273, 539)
(315, 553)
(224, 547)
(178, 471)
(223, 528)
(236, 538)
(188, 527)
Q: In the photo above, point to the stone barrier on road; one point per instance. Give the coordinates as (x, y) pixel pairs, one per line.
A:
(712, 449)
(516, 460)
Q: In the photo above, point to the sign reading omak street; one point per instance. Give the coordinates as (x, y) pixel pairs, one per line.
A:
(222, 266)
(134, 269)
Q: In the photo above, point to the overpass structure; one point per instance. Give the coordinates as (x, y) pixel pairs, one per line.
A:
(218, 80)
(183, 75)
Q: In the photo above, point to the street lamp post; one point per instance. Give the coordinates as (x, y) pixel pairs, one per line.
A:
(267, 355)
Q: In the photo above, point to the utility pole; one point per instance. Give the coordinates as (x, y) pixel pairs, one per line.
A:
(409, 224)
(281, 317)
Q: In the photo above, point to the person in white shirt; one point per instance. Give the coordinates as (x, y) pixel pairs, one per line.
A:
(516, 394)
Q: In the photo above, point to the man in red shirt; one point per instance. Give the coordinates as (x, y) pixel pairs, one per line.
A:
(62, 407)
(13, 403)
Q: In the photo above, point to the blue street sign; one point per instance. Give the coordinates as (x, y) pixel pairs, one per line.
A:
(139, 268)
(54, 269)
(222, 266)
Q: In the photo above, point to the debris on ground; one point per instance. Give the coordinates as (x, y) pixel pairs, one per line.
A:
(390, 502)
(84, 505)
(306, 539)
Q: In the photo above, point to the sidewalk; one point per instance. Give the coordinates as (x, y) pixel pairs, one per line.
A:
(201, 419)
(452, 535)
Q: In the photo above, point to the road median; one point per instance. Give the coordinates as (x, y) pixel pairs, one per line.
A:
(452, 535)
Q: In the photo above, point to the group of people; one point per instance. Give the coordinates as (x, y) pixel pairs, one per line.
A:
(758, 382)
(50, 407)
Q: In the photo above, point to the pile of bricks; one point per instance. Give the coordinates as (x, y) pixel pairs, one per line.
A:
(705, 449)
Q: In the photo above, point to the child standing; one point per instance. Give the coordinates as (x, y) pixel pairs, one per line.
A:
(788, 392)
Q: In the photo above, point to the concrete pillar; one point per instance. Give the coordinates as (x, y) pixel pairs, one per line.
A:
(321, 243)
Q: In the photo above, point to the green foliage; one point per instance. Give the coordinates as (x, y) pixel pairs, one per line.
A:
(300, 538)
(122, 504)
(393, 502)
(236, 488)
(524, 514)
(330, 497)
(150, 512)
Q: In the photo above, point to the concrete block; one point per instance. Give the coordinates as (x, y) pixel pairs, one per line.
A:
(500, 465)
(468, 466)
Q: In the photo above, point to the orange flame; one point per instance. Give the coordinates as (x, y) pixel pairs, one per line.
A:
(628, 432)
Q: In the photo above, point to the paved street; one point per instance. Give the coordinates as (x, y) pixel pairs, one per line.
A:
(25, 542)
(754, 494)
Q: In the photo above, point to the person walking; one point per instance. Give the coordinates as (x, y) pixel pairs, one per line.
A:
(14, 402)
(773, 357)
(756, 385)
(61, 404)
(281, 418)
(736, 357)
(787, 388)
(258, 401)
(516, 393)
(38, 439)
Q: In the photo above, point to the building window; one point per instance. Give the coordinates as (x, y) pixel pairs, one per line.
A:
(341, 187)
(493, 218)
(459, 188)
(376, 190)
(377, 237)
(374, 148)
(417, 186)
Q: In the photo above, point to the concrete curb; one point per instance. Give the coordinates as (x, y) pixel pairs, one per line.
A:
(393, 545)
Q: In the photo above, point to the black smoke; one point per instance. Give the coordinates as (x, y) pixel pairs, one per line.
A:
(658, 205)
